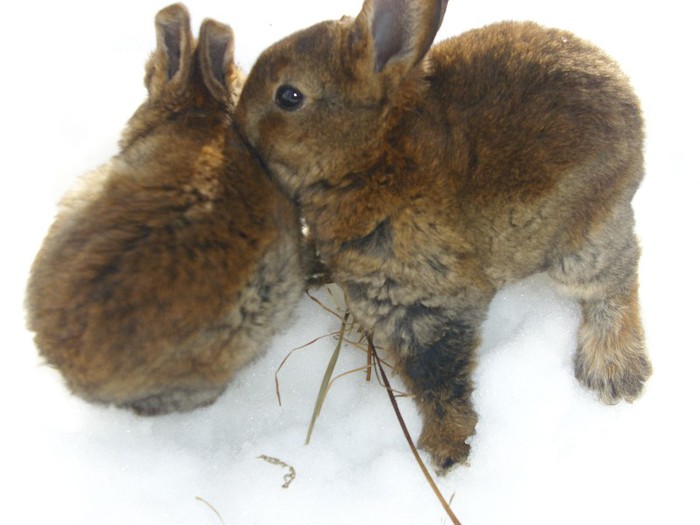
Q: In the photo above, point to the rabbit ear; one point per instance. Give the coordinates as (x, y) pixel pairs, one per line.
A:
(215, 53)
(402, 31)
(169, 64)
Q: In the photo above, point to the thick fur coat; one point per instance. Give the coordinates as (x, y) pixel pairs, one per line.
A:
(432, 176)
(169, 268)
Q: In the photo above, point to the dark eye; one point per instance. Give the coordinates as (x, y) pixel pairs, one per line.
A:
(289, 98)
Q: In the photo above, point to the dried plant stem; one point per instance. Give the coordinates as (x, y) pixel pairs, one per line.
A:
(289, 476)
(368, 376)
(327, 309)
(211, 507)
(279, 368)
(323, 390)
(353, 371)
(422, 466)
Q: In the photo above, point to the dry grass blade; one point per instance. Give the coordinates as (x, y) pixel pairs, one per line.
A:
(323, 390)
(353, 371)
(212, 508)
(329, 310)
(422, 466)
(279, 368)
(377, 362)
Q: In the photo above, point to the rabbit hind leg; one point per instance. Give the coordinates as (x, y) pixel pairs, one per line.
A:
(611, 357)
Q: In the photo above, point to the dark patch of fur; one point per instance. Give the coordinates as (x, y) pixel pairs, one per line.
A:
(377, 243)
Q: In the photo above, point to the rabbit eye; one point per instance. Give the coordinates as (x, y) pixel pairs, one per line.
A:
(289, 98)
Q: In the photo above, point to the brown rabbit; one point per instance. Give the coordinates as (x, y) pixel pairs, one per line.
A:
(172, 265)
(432, 177)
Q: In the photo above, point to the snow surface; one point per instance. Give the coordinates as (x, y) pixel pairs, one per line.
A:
(546, 451)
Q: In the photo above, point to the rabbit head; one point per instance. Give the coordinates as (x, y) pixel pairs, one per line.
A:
(182, 77)
(170, 266)
(334, 88)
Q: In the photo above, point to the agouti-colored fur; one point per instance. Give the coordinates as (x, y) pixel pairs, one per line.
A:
(432, 176)
(170, 267)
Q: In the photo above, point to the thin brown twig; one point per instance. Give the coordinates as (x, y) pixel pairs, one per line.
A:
(406, 433)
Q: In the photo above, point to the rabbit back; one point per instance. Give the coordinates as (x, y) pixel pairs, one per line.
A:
(547, 134)
(171, 266)
(155, 282)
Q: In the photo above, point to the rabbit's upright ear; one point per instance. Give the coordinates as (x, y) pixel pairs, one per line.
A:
(401, 31)
(215, 54)
(170, 63)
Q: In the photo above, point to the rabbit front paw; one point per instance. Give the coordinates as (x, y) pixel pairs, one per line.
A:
(611, 359)
(444, 453)
(613, 380)
(446, 430)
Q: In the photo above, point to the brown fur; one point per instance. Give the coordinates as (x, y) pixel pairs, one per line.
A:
(431, 181)
(169, 268)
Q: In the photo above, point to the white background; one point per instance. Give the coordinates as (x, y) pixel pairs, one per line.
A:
(546, 451)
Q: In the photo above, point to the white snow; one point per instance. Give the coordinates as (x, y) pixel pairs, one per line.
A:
(546, 450)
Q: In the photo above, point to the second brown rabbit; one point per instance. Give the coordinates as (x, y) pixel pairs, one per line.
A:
(430, 178)
(170, 267)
